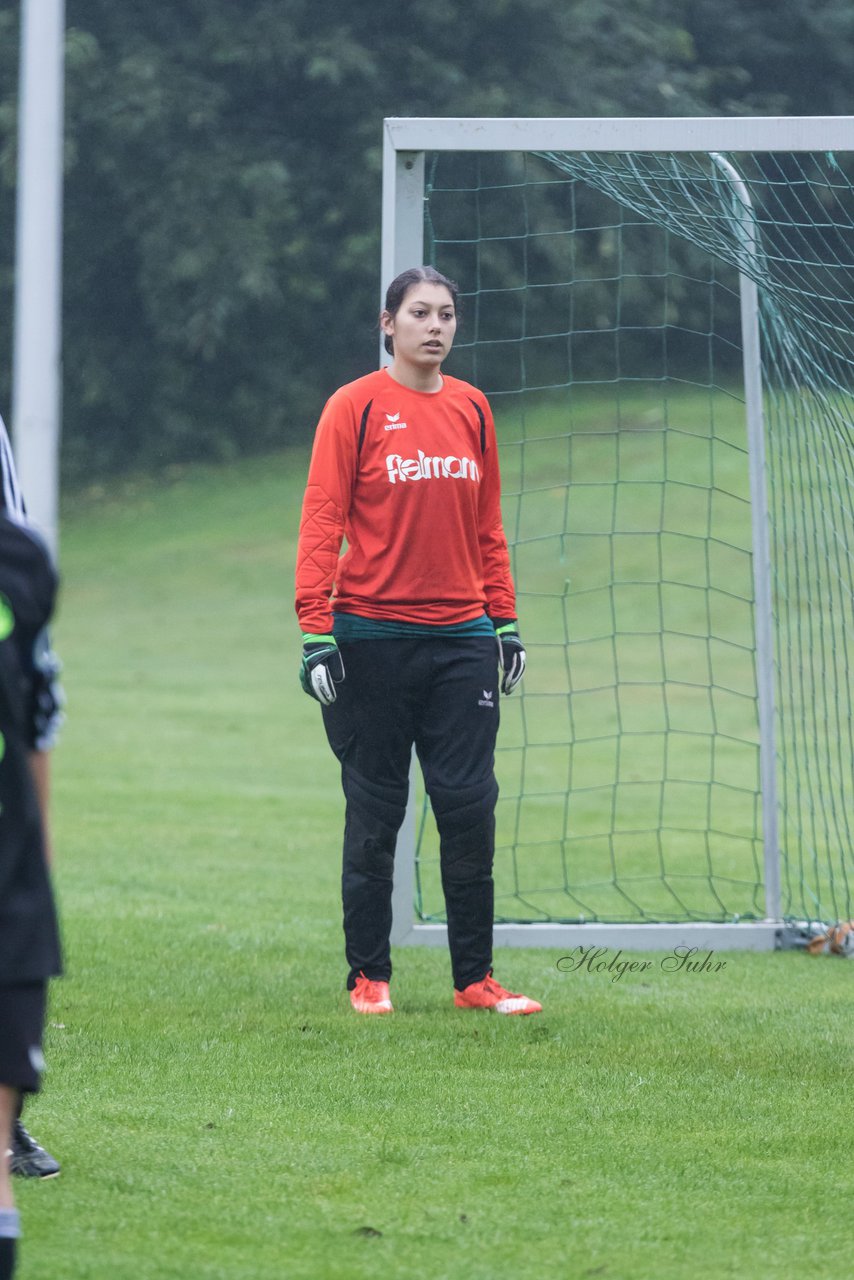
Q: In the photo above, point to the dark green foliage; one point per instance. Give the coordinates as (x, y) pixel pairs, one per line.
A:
(222, 203)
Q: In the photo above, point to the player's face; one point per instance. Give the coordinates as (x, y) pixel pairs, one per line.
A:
(423, 326)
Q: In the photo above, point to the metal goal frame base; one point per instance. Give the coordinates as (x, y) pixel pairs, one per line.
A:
(753, 935)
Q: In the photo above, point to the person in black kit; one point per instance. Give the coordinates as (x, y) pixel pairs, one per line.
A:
(29, 940)
(29, 948)
(27, 1158)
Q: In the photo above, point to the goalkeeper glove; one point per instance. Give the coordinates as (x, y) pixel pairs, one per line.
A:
(512, 652)
(321, 668)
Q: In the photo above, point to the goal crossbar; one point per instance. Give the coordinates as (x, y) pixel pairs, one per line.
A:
(630, 133)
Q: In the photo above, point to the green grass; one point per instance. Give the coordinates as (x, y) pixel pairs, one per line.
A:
(219, 1112)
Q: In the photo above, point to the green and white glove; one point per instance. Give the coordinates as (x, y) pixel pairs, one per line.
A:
(321, 668)
(511, 651)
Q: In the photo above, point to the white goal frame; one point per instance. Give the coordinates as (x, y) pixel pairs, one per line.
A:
(405, 143)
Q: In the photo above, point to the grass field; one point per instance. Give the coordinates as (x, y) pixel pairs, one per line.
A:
(219, 1112)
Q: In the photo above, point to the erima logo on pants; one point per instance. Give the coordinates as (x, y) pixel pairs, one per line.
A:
(427, 468)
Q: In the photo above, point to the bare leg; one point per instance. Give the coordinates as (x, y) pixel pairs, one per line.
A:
(8, 1112)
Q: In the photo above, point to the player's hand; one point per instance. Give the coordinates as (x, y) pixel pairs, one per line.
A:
(512, 653)
(321, 668)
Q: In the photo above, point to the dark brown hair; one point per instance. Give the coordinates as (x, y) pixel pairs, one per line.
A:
(401, 285)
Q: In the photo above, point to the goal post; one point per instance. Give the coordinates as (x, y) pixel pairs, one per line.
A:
(658, 287)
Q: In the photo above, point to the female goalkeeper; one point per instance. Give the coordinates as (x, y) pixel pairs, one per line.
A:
(403, 635)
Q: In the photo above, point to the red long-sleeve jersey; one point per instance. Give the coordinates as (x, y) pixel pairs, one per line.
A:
(411, 480)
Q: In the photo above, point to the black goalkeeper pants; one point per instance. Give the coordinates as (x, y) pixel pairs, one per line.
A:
(440, 695)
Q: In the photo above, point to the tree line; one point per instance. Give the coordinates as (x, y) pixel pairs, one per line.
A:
(222, 185)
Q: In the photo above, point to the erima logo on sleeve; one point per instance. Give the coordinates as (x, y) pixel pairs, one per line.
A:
(425, 467)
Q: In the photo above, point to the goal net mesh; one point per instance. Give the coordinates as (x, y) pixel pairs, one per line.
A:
(601, 317)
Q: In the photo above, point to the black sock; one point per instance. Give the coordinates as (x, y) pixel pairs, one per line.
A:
(10, 1229)
(7, 1258)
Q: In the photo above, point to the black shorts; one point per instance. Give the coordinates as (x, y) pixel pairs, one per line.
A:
(22, 1010)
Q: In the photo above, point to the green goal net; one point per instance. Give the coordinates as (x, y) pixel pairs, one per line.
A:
(603, 318)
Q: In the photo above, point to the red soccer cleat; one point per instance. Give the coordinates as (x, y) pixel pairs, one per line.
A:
(489, 995)
(370, 997)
